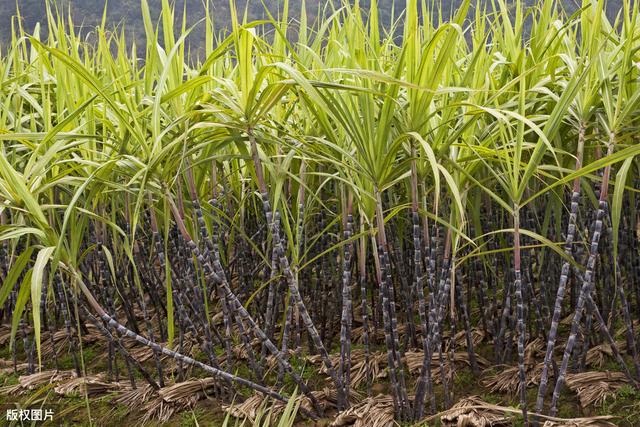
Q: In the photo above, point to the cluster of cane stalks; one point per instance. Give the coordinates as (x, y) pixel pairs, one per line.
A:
(477, 171)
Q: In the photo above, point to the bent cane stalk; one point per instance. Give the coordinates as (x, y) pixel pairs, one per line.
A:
(284, 264)
(218, 373)
(213, 275)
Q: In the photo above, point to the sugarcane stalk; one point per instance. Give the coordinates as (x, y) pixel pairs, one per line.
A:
(284, 264)
(344, 368)
(564, 277)
(218, 373)
(585, 290)
(212, 274)
(362, 279)
(393, 346)
(520, 314)
(418, 277)
(69, 329)
(467, 326)
(386, 321)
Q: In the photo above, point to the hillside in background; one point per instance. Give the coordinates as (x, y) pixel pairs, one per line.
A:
(126, 13)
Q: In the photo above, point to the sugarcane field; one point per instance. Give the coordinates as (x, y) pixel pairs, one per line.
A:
(320, 213)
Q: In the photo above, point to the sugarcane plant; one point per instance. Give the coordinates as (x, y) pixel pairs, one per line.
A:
(313, 200)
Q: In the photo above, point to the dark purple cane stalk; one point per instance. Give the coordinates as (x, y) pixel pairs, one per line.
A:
(184, 320)
(362, 279)
(22, 327)
(604, 330)
(47, 320)
(295, 314)
(437, 313)
(586, 284)
(284, 264)
(438, 344)
(426, 363)
(496, 307)
(185, 299)
(214, 252)
(404, 291)
(540, 303)
(520, 314)
(293, 289)
(149, 280)
(69, 329)
(386, 261)
(218, 373)
(426, 238)
(624, 306)
(579, 359)
(477, 276)
(437, 306)
(344, 369)
(52, 330)
(431, 246)
(273, 284)
(388, 306)
(540, 315)
(606, 334)
(139, 297)
(285, 336)
(121, 349)
(188, 324)
(634, 240)
(104, 283)
(182, 326)
(156, 355)
(212, 247)
(246, 344)
(322, 290)
(460, 302)
(451, 344)
(386, 321)
(504, 334)
(212, 275)
(127, 299)
(419, 279)
(332, 297)
(479, 272)
(4, 259)
(425, 374)
(97, 264)
(103, 286)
